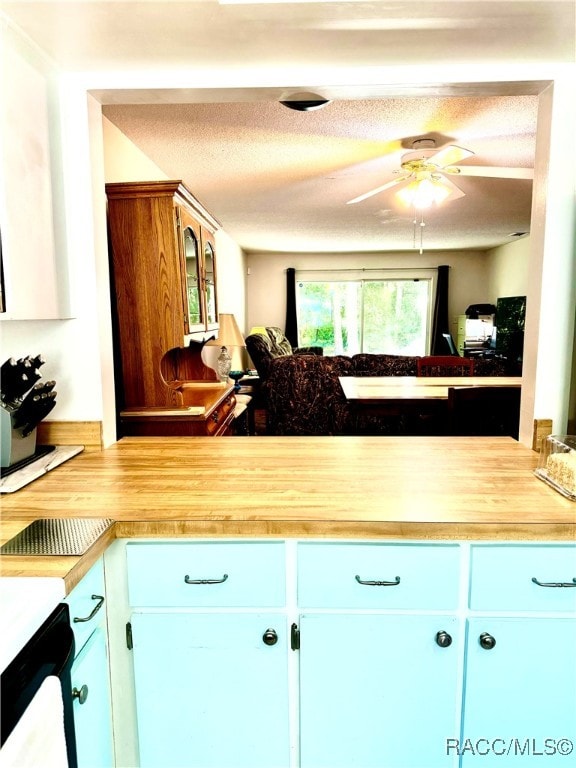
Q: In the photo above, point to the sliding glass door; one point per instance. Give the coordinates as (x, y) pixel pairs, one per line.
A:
(382, 315)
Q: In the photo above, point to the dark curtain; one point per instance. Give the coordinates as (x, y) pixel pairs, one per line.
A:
(291, 329)
(440, 323)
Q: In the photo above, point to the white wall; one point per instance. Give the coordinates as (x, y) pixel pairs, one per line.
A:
(551, 295)
(508, 269)
(123, 160)
(266, 286)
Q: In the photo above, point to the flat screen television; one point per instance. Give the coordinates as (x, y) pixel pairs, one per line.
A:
(509, 321)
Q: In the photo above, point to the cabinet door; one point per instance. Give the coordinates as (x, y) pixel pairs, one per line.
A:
(210, 692)
(209, 266)
(378, 691)
(92, 709)
(521, 692)
(190, 244)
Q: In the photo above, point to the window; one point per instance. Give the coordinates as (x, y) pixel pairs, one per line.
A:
(347, 313)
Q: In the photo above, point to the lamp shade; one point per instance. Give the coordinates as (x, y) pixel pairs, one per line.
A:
(228, 333)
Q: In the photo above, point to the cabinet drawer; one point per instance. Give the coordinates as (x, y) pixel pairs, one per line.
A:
(86, 602)
(218, 420)
(503, 577)
(414, 576)
(242, 574)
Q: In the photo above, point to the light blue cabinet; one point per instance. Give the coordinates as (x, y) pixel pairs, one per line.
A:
(211, 690)
(378, 691)
(352, 654)
(90, 671)
(209, 638)
(520, 694)
(520, 697)
(92, 715)
(380, 654)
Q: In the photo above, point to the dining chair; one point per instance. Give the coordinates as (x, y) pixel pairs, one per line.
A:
(484, 411)
(445, 365)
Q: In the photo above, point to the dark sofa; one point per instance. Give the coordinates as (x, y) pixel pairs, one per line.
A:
(303, 395)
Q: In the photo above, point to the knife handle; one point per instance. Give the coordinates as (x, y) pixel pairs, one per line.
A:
(41, 413)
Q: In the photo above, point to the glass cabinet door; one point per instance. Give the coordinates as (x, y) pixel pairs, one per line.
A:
(210, 284)
(193, 278)
(198, 263)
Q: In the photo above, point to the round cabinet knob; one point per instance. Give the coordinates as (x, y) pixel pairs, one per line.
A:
(270, 637)
(487, 641)
(443, 639)
(80, 694)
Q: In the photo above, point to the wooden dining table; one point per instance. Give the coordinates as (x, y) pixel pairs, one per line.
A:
(409, 404)
(387, 390)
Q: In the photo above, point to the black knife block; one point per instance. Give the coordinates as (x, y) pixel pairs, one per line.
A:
(14, 447)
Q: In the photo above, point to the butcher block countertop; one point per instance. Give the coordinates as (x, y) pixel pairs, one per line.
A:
(336, 487)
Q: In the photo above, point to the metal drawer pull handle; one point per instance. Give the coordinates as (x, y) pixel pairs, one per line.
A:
(188, 580)
(80, 694)
(379, 583)
(97, 607)
(554, 583)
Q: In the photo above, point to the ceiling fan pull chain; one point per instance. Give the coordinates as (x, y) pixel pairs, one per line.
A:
(422, 225)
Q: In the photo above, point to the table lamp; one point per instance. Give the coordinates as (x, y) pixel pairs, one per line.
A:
(228, 336)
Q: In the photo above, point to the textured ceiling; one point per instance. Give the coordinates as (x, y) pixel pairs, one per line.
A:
(279, 179)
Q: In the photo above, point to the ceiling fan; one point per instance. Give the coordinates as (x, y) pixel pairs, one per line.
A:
(424, 172)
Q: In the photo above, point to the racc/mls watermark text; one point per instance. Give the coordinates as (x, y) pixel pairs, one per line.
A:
(517, 747)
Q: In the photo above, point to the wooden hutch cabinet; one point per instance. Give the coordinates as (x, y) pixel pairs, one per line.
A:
(163, 263)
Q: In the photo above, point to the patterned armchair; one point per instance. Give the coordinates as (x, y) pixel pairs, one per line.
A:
(263, 348)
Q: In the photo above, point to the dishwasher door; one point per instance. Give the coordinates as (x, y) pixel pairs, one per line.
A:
(49, 653)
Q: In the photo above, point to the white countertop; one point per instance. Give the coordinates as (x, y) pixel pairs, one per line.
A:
(25, 602)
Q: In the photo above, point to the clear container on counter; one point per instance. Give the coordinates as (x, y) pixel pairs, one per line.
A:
(557, 465)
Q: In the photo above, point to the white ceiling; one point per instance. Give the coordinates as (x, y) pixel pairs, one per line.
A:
(278, 179)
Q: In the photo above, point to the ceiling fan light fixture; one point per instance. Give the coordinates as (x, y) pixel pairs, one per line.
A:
(423, 192)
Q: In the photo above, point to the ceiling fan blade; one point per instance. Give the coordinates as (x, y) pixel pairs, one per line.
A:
(378, 189)
(492, 171)
(450, 156)
(455, 191)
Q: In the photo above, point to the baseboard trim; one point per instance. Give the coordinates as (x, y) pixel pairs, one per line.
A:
(86, 433)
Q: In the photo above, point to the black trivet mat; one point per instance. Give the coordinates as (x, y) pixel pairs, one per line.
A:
(41, 450)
